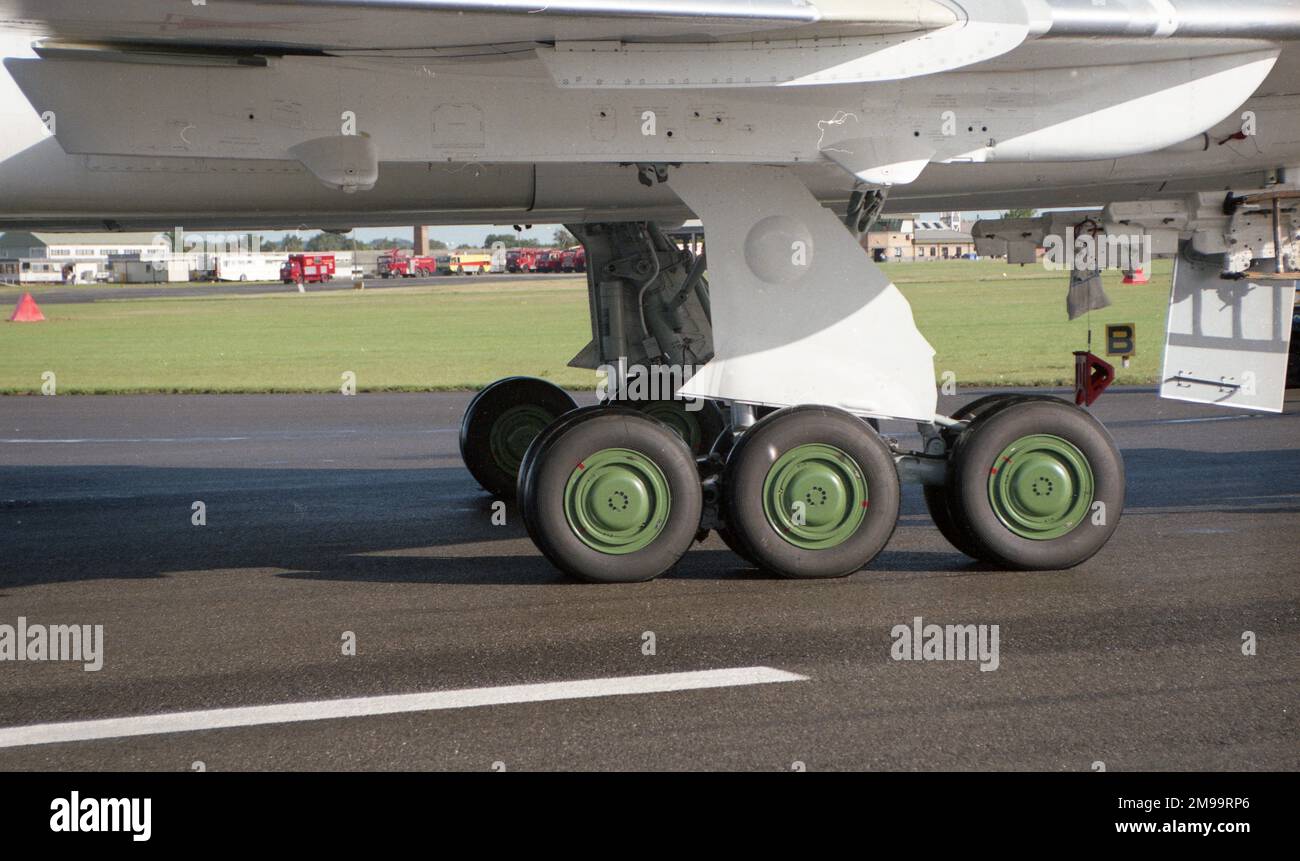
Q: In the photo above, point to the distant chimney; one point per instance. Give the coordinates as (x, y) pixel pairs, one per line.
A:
(421, 241)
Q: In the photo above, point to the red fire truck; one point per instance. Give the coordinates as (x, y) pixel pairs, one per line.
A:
(307, 268)
(526, 260)
(536, 259)
(549, 261)
(399, 264)
(573, 260)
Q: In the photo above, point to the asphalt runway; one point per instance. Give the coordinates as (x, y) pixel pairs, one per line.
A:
(332, 514)
(74, 294)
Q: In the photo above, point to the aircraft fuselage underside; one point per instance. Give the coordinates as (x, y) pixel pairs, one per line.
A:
(269, 143)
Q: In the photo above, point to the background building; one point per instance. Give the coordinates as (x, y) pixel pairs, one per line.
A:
(890, 240)
(937, 240)
(75, 246)
(905, 239)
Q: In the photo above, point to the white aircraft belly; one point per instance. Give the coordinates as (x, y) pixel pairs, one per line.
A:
(512, 112)
(44, 185)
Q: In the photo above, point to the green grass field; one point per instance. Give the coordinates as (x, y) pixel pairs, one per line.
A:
(990, 323)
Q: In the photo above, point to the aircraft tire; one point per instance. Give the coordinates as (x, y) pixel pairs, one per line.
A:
(699, 428)
(936, 497)
(610, 495)
(810, 492)
(729, 539)
(499, 425)
(581, 414)
(719, 452)
(1037, 484)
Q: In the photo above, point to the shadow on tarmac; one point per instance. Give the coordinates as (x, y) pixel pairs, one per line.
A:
(71, 523)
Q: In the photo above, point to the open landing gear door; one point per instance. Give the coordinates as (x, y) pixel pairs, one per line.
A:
(800, 313)
(1228, 339)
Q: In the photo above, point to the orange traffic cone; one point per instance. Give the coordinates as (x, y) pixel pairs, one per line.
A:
(1136, 276)
(27, 311)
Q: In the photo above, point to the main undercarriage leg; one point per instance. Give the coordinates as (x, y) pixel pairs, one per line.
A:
(650, 326)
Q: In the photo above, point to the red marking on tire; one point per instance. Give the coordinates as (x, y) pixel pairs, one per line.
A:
(864, 503)
(582, 466)
(993, 471)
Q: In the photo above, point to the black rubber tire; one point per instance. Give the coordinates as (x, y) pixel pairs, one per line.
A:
(486, 408)
(968, 476)
(550, 462)
(936, 497)
(719, 453)
(982, 405)
(752, 458)
(708, 420)
(539, 444)
(764, 412)
(734, 545)
(936, 502)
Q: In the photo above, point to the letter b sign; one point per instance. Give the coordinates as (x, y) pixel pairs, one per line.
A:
(1121, 339)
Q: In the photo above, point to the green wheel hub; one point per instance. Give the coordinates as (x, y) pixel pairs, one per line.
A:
(1041, 487)
(512, 433)
(815, 496)
(682, 422)
(617, 501)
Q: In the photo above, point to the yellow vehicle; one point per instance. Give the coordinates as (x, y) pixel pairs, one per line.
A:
(469, 263)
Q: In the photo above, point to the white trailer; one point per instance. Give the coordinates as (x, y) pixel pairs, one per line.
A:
(31, 270)
(247, 267)
(162, 271)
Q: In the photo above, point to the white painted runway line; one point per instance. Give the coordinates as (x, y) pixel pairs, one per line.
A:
(159, 724)
(1205, 419)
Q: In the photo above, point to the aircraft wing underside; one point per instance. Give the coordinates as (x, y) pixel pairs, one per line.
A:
(416, 25)
(330, 25)
(258, 85)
